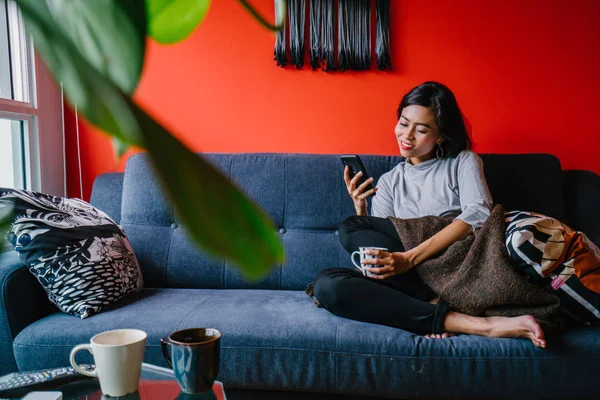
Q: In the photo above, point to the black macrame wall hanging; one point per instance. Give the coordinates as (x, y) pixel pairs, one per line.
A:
(296, 17)
(316, 53)
(352, 27)
(382, 42)
(354, 35)
(321, 35)
(280, 54)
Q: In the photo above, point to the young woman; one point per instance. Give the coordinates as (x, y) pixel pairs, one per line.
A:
(440, 177)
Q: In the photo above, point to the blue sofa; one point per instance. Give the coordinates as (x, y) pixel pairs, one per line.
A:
(274, 338)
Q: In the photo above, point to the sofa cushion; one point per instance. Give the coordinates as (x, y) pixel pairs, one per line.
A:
(80, 256)
(278, 183)
(557, 258)
(306, 199)
(252, 320)
(280, 340)
(581, 189)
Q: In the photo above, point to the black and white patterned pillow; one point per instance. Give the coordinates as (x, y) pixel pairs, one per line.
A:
(78, 253)
(559, 259)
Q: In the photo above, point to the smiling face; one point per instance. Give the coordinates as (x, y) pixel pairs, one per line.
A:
(417, 133)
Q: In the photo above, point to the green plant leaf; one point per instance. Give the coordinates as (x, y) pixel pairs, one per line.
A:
(280, 9)
(119, 147)
(216, 214)
(110, 34)
(6, 218)
(171, 21)
(94, 95)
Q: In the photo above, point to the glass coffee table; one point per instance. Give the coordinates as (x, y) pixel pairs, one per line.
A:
(156, 383)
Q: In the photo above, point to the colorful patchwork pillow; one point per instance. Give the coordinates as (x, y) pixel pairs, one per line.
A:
(559, 259)
(78, 253)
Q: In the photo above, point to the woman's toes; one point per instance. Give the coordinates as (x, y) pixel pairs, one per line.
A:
(439, 335)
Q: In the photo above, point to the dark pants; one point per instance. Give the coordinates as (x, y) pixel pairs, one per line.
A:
(400, 301)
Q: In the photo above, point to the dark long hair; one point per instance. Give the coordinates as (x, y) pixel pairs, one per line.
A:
(449, 119)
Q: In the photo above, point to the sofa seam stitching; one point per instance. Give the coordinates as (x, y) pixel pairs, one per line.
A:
(223, 261)
(142, 224)
(282, 224)
(337, 229)
(292, 229)
(223, 269)
(167, 257)
(465, 358)
(191, 310)
(335, 380)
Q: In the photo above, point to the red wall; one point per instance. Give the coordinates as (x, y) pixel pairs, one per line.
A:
(526, 74)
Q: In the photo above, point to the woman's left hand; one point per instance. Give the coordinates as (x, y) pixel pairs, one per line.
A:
(388, 264)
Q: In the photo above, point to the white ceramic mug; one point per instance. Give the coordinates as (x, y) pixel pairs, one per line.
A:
(363, 256)
(118, 356)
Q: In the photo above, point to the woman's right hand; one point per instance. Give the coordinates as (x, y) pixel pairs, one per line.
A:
(358, 194)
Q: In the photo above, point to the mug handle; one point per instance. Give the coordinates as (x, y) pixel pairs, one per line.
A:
(76, 366)
(359, 265)
(164, 344)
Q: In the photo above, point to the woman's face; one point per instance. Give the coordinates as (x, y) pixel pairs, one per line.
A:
(417, 133)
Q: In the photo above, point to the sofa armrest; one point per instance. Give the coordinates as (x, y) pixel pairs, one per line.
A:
(22, 301)
(582, 196)
(107, 192)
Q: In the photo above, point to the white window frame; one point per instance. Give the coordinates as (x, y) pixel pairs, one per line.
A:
(39, 103)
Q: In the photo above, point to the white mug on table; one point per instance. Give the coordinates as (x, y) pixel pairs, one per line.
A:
(118, 356)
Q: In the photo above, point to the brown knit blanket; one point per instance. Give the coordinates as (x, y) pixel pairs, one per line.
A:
(475, 275)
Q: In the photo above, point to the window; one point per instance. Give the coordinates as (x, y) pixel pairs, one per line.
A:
(18, 113)
(31, 112)
(5, 73)
(12, 157)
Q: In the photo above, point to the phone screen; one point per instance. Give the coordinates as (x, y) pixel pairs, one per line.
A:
(355, 164)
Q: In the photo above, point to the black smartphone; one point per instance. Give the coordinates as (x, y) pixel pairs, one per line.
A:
(355, 164)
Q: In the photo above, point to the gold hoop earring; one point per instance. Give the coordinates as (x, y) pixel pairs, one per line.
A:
(439, 153)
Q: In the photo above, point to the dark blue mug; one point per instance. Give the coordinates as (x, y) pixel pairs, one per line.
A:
(195, 355)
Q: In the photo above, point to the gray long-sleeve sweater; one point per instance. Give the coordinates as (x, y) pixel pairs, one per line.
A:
(435, 187)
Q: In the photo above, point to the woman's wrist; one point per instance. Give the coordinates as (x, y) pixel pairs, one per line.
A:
(361, 210)
(413, 256)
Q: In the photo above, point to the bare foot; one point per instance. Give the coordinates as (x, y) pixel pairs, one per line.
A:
(439, 335)
(524, 326)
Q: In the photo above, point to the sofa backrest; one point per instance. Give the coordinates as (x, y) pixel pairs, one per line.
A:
(306, 199)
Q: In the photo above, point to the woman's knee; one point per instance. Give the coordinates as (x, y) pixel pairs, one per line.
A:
(328, 285)
(347, 227)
